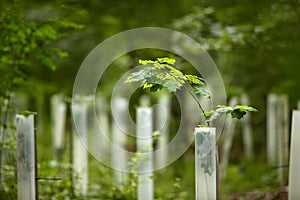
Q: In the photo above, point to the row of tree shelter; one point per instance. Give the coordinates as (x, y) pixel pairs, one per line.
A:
(279, 153)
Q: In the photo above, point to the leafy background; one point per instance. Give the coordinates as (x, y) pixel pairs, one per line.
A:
(42, 44)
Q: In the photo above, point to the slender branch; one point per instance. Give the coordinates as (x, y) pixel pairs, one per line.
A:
(194, 97)
(199, 105)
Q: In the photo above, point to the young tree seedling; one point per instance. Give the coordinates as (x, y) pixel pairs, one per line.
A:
(161, 74)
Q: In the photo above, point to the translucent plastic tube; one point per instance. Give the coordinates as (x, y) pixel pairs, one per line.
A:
(58, 115)
(162, 124)
(119, 137)
(80, 156)
(294, 176)
(100, 133)
(144, 146)
(205, 163)
(247, 130)
(271, 128)
(26, 165)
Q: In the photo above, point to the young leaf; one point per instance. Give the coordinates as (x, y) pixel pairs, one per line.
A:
(159, 74)
(236, 112)
(137, 76)
(147, 85)
(239, 114)
(239, 111)
(195, 80)
(224, 109)
(202, 126)
(202, 91)
(167, 60)
(27, 113)
(156, 87)
(146, 62)
(245, 108)
(211, 115)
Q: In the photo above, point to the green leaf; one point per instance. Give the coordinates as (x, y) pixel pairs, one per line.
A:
(27, 113)
(147, 85)
(202, 91)
(159, 74)
(211, 115)
(137, 76)
(167, 60)
(146, 62)
(239, 111)
(195, 80)
(202, 126)
(156, 87)
(224, 109)
(246, 108)
(238, 114)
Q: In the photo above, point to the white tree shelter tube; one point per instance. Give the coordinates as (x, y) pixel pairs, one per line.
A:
(80, 155)
(294, 175)
(205, 164)
(144, 146)
(26, 157)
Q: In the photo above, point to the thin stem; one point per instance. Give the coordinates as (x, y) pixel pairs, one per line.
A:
(191, 93)
(195, 98)
(199, 105)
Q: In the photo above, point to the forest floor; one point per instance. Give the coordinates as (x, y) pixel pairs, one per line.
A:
(278, 194)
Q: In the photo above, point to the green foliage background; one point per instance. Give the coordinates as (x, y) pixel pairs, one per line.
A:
(254, 43)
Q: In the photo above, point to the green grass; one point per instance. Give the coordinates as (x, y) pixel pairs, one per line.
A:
(249, 177)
